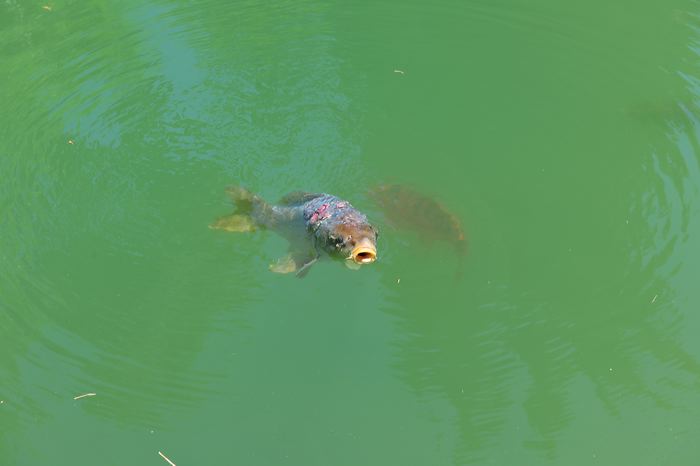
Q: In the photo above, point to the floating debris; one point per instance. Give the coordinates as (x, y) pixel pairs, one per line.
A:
(654, 299)
(84, 395)
(46, 7)
(399, 72)
(166, 458)
(71, 142)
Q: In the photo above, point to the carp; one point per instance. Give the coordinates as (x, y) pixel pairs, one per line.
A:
(407, 209)
(313, 223)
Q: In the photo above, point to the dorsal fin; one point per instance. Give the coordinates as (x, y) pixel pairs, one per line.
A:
(298, 198)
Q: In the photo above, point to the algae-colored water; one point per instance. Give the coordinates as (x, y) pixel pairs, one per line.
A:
(565, 136)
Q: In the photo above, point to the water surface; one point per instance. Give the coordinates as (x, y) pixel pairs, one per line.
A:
(566, 138)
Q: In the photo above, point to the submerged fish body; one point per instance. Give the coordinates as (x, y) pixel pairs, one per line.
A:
(409, 210)
(314, 223)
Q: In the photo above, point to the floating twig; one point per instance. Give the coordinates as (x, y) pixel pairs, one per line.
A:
(84, 395)
(654, 299)
(166, 458)
(46, 7)
(399, 72)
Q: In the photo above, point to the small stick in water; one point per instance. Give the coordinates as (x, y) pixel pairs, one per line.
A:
(166, 459)
(84, 395)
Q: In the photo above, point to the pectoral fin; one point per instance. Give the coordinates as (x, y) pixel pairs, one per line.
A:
(294, 263)
(235, 223)
(352, 265)
(285, 264)
(304, 269)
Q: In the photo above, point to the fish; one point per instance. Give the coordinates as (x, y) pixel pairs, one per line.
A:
(409, 210)
(315, 224)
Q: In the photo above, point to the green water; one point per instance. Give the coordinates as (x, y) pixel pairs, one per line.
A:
(565, 135)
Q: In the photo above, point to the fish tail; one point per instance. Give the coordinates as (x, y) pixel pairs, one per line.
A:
(243, 198)
(250, 204)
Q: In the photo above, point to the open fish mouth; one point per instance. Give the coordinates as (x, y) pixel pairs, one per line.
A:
(363, 255)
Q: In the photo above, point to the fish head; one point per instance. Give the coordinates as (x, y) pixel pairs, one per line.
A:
(354, 242)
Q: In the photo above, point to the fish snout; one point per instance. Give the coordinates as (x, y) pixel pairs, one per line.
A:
(364, 252)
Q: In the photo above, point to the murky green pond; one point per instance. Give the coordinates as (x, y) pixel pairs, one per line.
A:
(565, 137)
